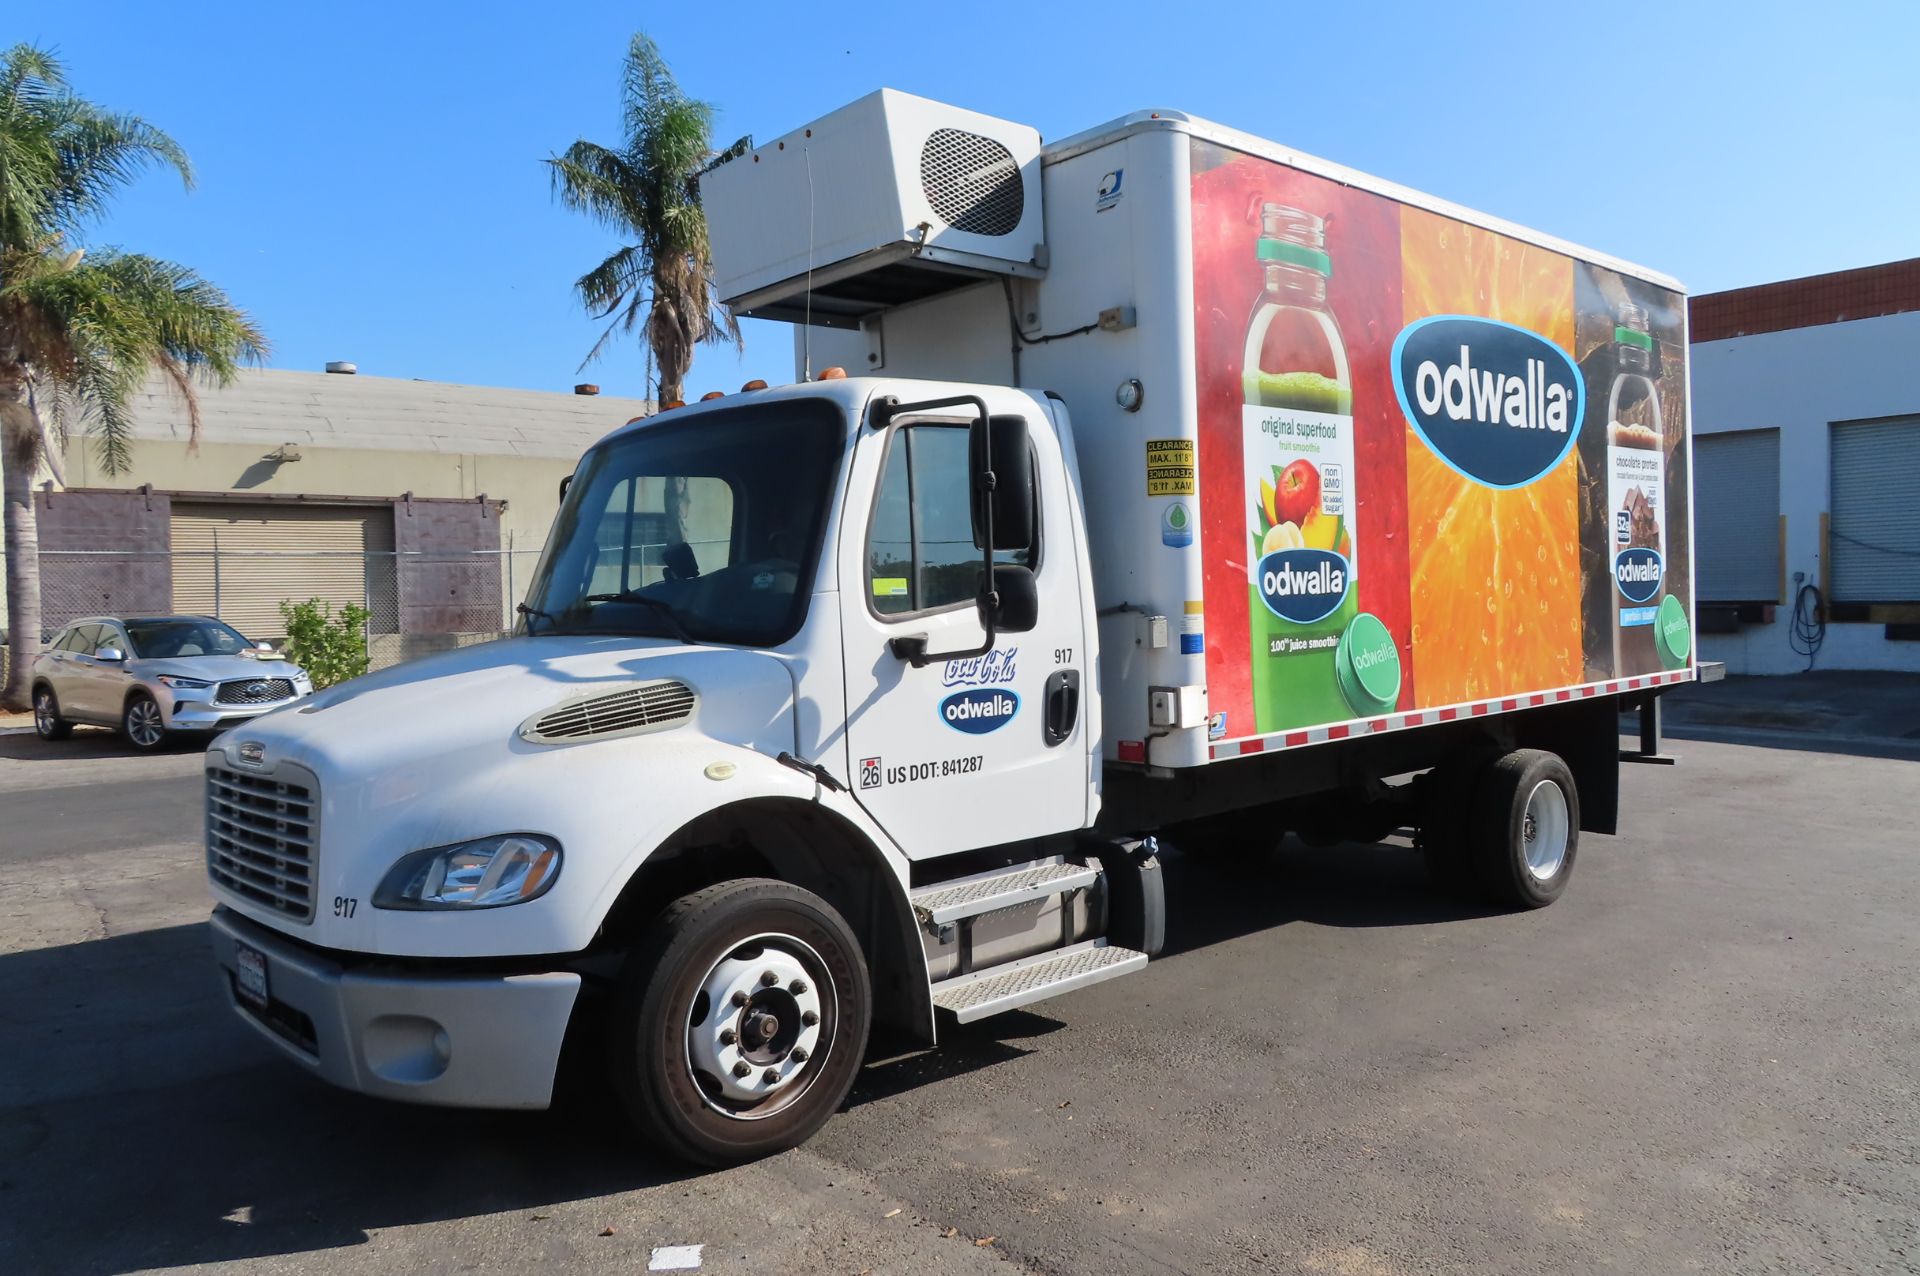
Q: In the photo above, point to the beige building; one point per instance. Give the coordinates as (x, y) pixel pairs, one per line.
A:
(427, 503)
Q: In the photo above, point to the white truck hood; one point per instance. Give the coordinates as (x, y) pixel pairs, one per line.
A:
(431, 753)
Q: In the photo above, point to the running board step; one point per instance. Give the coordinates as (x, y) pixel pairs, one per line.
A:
(949, 902)
(1031, 979)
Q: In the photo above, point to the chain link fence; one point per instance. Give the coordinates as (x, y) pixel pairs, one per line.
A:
(417, 602)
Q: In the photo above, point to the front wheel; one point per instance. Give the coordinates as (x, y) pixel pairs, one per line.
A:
(740, 1021)
(142, 724)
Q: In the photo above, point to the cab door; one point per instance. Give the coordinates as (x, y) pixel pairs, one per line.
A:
(975, 747)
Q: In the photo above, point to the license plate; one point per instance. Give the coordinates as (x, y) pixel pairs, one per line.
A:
(250, 974)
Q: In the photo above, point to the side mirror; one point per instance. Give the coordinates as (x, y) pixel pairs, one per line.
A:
(112, 654)
(1017, 599)
(1000, 444)
(263, 646)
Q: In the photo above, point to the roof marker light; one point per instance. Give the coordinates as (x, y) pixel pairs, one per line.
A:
(755, 384)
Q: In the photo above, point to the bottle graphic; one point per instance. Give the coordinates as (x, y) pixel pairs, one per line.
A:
(1645, 638)
(1297, 440)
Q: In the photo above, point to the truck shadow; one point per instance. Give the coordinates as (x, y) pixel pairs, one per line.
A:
(144, 1127)
(90, 743)
(1350, 885)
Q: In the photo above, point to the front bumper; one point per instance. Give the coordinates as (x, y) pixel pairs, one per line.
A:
(463, 1040)
(204, 715)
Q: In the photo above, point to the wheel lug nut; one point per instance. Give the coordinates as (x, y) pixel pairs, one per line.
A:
(768, 978)
(742, 1068)
(728, 1036)
(799, 1054)
(739, 998)
(798, 987)
(771, 1076)
(809, 1018)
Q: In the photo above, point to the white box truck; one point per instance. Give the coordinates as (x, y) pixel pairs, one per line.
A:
(1186, 487)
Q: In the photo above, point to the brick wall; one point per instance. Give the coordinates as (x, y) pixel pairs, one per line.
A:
(1866, 293)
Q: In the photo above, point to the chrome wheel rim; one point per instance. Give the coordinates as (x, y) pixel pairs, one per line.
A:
(143, 723)
(1545, 830)
(44, 718)
(760, 1027)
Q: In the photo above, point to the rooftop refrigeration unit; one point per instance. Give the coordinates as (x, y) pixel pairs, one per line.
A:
(889, 200)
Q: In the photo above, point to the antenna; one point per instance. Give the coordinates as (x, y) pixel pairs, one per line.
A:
(806, 338)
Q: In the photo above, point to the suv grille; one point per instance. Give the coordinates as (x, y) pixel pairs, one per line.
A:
(260, 840)
(254, 691)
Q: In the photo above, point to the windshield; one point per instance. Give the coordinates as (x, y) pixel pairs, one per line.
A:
(705, 530)
(170, 639)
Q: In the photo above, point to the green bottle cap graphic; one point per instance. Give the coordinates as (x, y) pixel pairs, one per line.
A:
(1367, 665)
(1672, 635)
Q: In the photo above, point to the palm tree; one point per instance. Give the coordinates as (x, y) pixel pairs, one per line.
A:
(79, 331)
(647, 189)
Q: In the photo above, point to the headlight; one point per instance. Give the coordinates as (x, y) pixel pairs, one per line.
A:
(179, 683)
(488, 873)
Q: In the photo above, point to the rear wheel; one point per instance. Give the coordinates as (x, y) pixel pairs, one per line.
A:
(47, 722)
(141, 722)
(739, 1023)
(1526, 828)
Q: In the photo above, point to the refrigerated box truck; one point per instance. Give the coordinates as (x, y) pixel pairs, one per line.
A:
(1184, 487)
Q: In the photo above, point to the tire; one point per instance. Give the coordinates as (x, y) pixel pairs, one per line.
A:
(47, 722)
(1525, 828)
(141, 724)
(676, 1037)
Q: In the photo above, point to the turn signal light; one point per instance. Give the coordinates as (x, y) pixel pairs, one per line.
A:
(755, 384)
(711, 395)
(833, 374)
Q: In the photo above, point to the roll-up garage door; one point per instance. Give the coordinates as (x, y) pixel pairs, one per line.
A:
(1736, 516)
(1874, 527)
(266, 554)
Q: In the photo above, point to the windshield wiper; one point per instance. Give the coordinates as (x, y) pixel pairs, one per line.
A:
(525, 610)
(658, 604)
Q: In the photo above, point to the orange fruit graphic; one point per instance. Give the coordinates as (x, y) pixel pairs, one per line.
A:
(1495, 574)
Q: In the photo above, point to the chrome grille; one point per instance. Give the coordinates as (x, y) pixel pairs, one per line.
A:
(972, 183)
(627, 712)
(254, 691)
(261, 843)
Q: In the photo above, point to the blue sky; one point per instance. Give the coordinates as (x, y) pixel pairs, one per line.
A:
(370, 184)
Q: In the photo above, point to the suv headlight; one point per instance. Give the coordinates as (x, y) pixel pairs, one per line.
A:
(179, 683)
(490, 872)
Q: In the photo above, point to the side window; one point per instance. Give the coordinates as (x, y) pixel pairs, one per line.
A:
(920, 550)
(661, 528)
(80, 639)
(110, 636)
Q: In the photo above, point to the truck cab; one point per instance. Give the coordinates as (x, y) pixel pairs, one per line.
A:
(757, 656)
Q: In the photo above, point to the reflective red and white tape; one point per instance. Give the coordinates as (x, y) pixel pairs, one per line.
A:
(1450, 713)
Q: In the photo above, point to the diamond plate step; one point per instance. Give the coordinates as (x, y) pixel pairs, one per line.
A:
(988, 893)
(1031, 979)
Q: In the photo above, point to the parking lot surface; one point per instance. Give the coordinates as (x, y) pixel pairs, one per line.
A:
(1706, 1057)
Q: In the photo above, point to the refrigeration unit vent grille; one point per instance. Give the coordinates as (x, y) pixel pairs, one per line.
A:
(972, 182)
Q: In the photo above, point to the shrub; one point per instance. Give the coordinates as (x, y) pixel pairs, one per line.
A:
(331, 648)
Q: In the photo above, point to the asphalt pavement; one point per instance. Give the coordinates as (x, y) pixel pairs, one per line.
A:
(1703, 1058)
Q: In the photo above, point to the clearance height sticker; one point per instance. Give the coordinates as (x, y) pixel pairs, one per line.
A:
(1170, 467)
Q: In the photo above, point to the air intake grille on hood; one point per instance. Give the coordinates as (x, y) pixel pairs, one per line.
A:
(972, 183)
(651, 706)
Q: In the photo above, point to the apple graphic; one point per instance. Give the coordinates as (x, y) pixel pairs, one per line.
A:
(1297, 494)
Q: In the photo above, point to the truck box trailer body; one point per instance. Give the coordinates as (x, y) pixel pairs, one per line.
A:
(1184, 487)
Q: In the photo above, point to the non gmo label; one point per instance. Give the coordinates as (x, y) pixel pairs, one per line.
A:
(1170, 467)
(1176, 526)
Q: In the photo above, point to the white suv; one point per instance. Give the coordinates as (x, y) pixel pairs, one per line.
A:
(148, 676)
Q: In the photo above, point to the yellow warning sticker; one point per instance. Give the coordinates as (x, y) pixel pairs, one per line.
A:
(889, 586)
(1170, 470)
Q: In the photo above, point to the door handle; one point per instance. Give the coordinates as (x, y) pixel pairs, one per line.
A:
(1063, 705)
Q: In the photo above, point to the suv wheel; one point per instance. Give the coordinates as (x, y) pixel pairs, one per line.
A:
(47, 721)
(141, 722)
